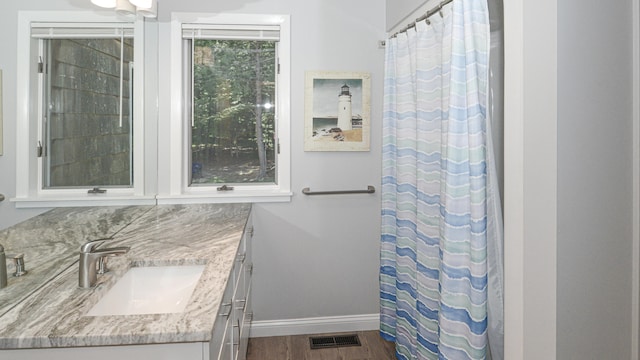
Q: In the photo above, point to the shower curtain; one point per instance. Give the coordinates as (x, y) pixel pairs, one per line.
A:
(433, 266)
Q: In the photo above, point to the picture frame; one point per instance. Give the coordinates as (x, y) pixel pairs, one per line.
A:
(337, 111)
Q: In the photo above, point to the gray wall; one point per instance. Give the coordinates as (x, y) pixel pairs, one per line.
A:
(400, 12)
(397, 11)
(594, 180)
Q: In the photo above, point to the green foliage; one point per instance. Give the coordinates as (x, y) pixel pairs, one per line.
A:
(229, 76)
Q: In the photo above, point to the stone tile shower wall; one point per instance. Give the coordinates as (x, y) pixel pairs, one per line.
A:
(88, 147)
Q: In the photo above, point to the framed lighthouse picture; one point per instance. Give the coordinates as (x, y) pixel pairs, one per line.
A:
(337, 111)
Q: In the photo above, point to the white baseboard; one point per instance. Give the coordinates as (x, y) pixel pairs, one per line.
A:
(317, 325)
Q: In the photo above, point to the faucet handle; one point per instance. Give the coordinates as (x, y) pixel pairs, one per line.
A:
(102, 265)
(91, 245)
(3, 268)
(19, 263)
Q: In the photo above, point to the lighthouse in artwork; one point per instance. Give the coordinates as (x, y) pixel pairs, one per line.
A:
(344, 108)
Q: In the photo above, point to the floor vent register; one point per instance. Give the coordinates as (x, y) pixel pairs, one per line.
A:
(325, 342)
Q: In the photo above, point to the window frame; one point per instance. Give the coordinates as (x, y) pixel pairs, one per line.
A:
(178, 189)
(29, 167)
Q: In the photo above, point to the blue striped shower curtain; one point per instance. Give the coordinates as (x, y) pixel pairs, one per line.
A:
(433, 271)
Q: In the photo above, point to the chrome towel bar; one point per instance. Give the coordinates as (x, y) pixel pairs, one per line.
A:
(370, 190)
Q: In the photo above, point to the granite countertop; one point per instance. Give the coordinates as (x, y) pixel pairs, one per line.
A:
(53, 314)
(50, 243)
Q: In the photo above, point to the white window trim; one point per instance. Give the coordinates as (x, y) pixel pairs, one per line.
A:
(178, 189)
(29, 192)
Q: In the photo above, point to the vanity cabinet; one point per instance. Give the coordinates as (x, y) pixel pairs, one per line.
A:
(214, 326)
(233, 323)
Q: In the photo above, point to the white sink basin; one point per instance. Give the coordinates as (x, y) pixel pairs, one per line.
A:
(150, 290)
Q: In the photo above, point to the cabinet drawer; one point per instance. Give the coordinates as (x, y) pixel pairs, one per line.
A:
(231, 330)
(245, 327)
(221, 326)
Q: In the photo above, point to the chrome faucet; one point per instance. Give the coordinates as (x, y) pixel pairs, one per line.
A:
(89, 256)
(3, 268)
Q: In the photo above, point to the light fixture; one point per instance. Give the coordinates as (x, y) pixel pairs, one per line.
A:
(142, 3)
(146, 8)
(129, 8)
(124, 7)
(110, 4)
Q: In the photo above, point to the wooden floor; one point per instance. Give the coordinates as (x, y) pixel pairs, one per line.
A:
(297, 348)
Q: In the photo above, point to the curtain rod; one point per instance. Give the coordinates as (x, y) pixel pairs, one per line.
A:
(426, 16)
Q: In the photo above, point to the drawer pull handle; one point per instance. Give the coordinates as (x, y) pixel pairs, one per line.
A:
(228, 311)
(243, 302)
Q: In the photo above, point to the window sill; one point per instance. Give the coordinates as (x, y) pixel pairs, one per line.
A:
(98, 200)
(235, 196)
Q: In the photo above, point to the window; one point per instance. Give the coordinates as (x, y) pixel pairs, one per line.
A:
(230, 117)
(222, 133)
(78, 111)
(86, 109)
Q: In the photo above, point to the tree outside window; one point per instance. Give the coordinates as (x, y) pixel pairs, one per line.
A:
(233, 128)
